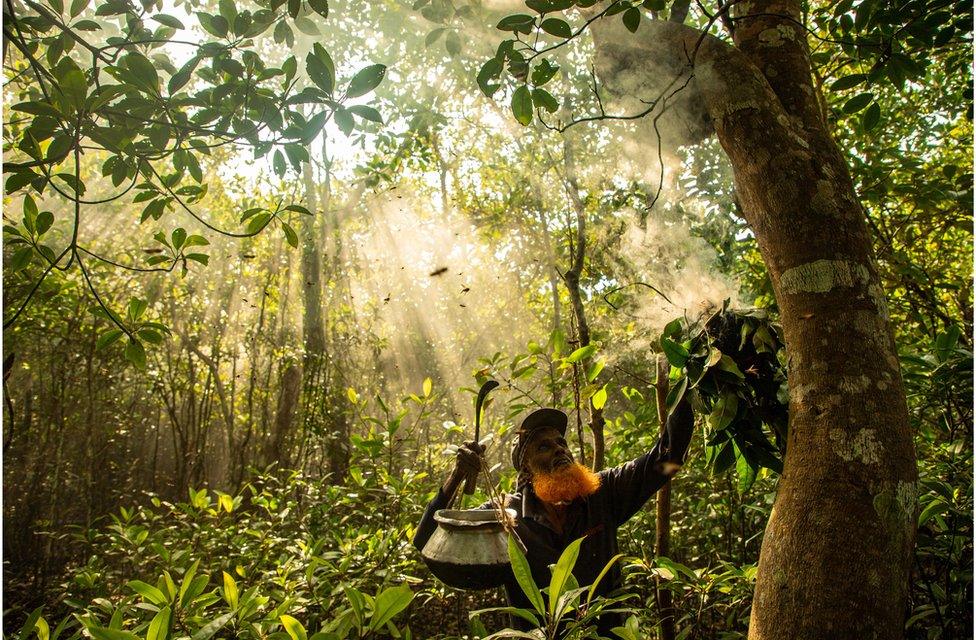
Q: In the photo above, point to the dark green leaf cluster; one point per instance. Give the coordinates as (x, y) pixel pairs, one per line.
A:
(732, 365)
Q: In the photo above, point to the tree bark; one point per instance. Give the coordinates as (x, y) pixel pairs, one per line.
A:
(313, 323)
(662, 532)
(572, 279)
(836, 555)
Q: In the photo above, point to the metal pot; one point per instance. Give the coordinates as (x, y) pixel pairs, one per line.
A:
(469, 549)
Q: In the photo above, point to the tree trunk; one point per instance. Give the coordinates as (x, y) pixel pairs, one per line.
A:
(313, 323)
(662, 520)
(836, 554)
(572, 279)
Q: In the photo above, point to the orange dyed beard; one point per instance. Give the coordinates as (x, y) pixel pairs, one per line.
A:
(565, 484)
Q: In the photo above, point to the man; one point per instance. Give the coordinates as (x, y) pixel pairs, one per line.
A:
(558, 500)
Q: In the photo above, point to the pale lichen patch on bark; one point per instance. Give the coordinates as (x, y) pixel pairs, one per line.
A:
(777, 36)
(741, 9)
(854, 385)
(896, 505)
(880, 302)
(822, 276)
(862, 447)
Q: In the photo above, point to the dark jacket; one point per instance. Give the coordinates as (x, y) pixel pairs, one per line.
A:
(623, 491)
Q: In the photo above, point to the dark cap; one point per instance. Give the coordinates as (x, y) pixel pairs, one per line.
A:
(545, 418)
(538, 419)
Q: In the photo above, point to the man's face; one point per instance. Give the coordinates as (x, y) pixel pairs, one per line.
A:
(547, 451)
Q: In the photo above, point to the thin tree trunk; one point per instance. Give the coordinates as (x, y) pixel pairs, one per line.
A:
(572, 279)
(662, 533)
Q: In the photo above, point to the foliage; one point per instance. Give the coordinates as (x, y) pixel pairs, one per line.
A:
(253, 563)
(734, 365)
(314, 551)
(563, 609)
(151, 134)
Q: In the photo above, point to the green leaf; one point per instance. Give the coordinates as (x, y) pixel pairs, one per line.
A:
(676, 353)
(345, 121)
(581, 354)
(159, 627)
(599, 578)
(278, 162)
(434, 35)
(292, 626)
(21, 258)
(595, 370)
(147, 591)
(136, 354)
(453, 43)
(168, 21)
(729, 365)
(72, 87)
(523, 575)
(37, 108)
(388, 604)
(136, 308)
(150, 336)
(178, 237)
(556, 27)
(179, 79)
(231, 593)
(306, 26)
(187, 580)
(42, 628)
(142, 68)
(258, 222)
(20, 180)
(320, 7)
(107, 338)
(366, 80)
(561, 572)
(848, 82)
(290, 236)
(320, 68)
(104, 633)
(227, 9)
(202, 258)
(632, 19)
(932, 509)
(213, 627)
(858, 102)
(724, 459)
(522, 105)
(946, 342)
(600, 398)
(314, 126)
(543, 72)
(366, 113)
(544, 100)
(77, 7)
(519, 23)
(746, 473)
(871, 117)
(724, 411)
(490, 71)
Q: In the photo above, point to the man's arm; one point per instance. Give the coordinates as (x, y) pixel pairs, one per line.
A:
(631, 484)
(467, 464)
